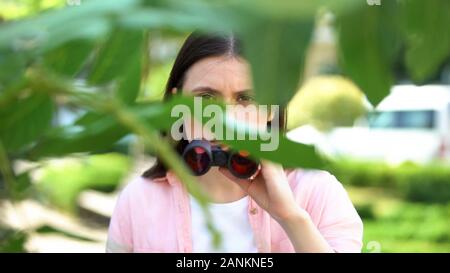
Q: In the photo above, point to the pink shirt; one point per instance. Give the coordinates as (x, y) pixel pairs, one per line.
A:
(154, 216)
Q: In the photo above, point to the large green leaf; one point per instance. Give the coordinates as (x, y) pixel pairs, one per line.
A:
(425, 26)
(22, 188)
(119, 62)
(168, 19)
(12, 68)
(69, 58)
(25, 120)
(61, 25)
(129, 84)
(98, 134)
(368, 42)
(276, 50)
(291, 9)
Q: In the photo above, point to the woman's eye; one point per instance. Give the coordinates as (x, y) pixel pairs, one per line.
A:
(245, 98)
(206, 96)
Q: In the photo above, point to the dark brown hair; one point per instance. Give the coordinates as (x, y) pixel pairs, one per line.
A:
(197, 47)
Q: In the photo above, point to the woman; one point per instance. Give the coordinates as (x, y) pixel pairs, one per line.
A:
(278, 211)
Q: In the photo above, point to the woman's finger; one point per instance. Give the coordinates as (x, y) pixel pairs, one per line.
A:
(272, 172)
(271, 167)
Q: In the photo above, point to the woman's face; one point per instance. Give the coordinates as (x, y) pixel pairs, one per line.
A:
(226, 78)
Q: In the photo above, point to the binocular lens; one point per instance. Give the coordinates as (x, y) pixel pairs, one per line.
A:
(200, 156)
(242, 166)
(198, 160)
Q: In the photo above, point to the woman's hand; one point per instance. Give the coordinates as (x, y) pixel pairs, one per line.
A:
(270, 189)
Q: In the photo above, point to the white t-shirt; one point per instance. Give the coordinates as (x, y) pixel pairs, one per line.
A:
(230, 219)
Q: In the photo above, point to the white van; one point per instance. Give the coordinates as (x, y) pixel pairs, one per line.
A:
(411, 123)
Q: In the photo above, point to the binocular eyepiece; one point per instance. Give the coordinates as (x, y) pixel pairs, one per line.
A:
(200, 156)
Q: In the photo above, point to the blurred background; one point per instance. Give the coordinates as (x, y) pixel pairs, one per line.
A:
(393, 158)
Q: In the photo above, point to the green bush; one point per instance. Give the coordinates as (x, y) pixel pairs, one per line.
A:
(417, 183)
(365, 211)
(430, 183)
(411, 228)
(365, 174)
(320, 99)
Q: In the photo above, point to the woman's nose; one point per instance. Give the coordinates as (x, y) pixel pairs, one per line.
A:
(229, 100)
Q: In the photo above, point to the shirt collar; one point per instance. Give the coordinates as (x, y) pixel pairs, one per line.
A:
(168, 178)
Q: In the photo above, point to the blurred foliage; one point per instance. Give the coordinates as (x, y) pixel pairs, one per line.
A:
(326, 102)
(12, 240)
(102, 48)
(411, 228)
(157, 79)
(94, 56)
(24, 120)
(398, 226)
(392, 224)
(61, 181)
(428, 183)
(14, 9)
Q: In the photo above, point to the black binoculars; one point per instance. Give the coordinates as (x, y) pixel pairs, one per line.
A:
(200, 156)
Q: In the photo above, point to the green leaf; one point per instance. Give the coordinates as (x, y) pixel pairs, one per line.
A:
(21, 187)
(276, 50)
(61, 25)
(129, 84)
(368, 42)
(425, 26)
(90, 29)
(25, 120)
(169, 19)
(269, 9)
(97, 134)
(119, 59)
(69, 58)
(289, 154)
(12, 240)
(12, 68)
